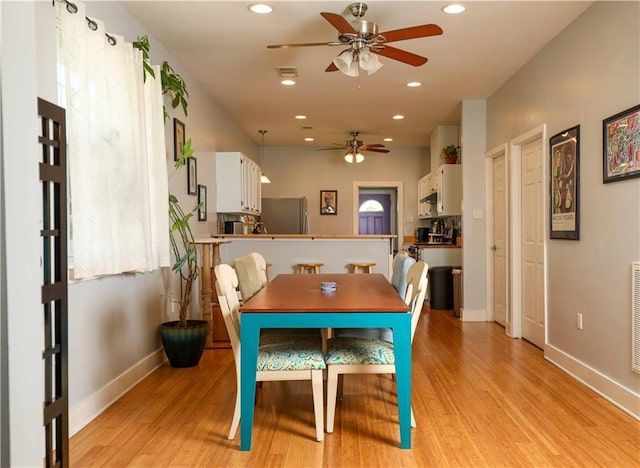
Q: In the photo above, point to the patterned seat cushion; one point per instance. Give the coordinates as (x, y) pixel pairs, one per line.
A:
(295, 353)
(349, 350)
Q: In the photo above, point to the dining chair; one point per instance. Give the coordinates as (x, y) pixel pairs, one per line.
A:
(400, 266)
(293, 357)
(251, 270)
(354, 355)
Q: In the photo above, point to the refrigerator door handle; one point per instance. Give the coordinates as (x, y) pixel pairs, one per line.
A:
(306, 223)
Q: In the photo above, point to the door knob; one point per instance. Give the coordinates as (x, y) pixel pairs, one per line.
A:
(494, 248)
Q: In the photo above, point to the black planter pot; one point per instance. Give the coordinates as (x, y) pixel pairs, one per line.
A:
(184, 346)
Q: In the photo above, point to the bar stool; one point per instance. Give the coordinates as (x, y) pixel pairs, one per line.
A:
(312, 267)
(367, 267)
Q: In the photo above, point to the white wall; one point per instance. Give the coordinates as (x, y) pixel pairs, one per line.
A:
(589, 72)
(22, 210)
(297, 172)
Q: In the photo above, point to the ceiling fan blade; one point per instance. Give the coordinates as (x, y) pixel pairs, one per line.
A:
(402, 56)
(414, 32)
(374, 145)
(375, 150)
(331, 68)
(304, 44)
(339, 22)
(340, 147)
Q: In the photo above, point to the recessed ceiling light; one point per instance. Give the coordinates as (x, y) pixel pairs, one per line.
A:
(414, 84)
(288, 82)
(453, 9)
(260, 8)
(301, 117)
(309, 139)
(398, 117)
(388, 139)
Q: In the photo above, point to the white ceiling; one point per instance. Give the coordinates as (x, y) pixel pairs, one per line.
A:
(224, 46)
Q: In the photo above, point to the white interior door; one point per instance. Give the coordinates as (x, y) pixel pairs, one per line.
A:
(500, 244)
(532, 266)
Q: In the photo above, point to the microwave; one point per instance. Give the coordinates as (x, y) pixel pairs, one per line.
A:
(233, 227)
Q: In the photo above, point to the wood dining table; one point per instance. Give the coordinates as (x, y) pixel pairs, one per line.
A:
(296, 301)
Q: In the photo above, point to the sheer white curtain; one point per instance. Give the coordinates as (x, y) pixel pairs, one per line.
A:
(117, 155)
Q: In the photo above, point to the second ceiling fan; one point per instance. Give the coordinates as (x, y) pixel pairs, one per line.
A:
(366, 43)
(354, 148)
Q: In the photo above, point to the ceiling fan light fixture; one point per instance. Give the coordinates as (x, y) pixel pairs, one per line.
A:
(359, 158)
(346, 63)
(349, 157)
(369, 62)
(264, 179)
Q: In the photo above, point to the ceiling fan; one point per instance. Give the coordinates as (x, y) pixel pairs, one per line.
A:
(366, 43)
(354, 147)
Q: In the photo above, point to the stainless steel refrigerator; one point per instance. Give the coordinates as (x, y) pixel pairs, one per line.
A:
(285, 215)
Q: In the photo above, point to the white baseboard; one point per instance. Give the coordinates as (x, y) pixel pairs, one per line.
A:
(91, 407)
(625, 399)
(469, 315)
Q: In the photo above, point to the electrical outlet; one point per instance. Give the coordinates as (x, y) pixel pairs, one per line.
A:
(579, 321)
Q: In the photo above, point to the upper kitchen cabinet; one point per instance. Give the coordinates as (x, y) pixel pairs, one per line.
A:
(238, 187)
(449, 189)
(426, 187)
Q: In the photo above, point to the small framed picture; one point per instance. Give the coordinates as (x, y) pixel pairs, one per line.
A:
(178, 139)
(328, 202)
(564, 149)
(202, 202)
(621, 145)
(192, 176)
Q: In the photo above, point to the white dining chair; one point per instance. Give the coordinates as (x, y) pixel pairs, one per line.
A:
(356, 355)
(400, 266)
(291, 357)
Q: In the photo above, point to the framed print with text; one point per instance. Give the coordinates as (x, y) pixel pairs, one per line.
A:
(621, 145)
(564, 149)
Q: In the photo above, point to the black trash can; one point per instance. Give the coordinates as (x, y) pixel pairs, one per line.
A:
(441, 287)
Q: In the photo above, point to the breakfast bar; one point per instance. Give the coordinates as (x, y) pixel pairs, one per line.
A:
(285, 251)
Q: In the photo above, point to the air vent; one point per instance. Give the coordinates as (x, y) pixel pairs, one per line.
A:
(635, 312)
(307, 127)
(287, 72)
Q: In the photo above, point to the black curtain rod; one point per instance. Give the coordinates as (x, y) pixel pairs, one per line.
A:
(73, 8)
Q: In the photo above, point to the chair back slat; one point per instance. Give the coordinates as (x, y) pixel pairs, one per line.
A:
(416, 290)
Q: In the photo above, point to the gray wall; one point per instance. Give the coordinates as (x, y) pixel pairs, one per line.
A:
(297, 172)
(589, 72)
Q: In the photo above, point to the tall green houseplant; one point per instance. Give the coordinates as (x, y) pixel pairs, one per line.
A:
(182, 240)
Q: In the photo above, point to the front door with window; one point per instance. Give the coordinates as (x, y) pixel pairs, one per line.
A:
(374, 214)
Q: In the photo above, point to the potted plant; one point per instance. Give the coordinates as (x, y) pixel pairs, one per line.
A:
(450, 154)
(183, 340)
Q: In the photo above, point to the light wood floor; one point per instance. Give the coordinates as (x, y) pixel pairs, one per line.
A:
(479, 397)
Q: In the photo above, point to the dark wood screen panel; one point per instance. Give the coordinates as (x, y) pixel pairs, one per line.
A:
(53, 175)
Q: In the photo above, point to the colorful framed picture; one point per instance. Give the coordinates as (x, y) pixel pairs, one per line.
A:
(621, 145)
(564, 149)
(192, 176)
(328, 202)
(178, 139)
(202, 202)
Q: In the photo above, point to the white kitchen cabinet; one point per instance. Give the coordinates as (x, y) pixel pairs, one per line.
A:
(238, 187)
(426, 209)
(449, 188)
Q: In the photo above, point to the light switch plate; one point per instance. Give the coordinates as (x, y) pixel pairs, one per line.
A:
(477, 214)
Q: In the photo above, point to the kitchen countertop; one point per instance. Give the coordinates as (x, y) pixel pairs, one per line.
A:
(303, 236)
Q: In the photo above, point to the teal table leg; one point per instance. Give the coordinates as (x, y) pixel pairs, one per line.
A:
(402, 351)
(249, 337)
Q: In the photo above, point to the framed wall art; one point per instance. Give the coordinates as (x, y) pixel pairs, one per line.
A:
(621, 145)
(564, 149)
(202, 202)
(178, 139)
(192, 176)
(328, 202)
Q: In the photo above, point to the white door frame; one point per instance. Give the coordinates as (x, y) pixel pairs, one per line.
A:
(357, 185)
(515, 224)
(500, 150)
